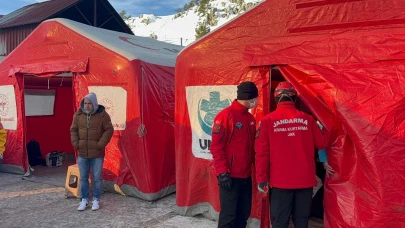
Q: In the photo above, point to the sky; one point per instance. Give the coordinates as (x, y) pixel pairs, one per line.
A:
(132, 7)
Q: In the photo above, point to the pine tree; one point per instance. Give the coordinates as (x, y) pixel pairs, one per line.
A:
(201, 30)
(202, 9)
(123, 15)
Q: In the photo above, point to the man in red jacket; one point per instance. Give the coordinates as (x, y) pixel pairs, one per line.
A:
(232, 148)
(284, 145)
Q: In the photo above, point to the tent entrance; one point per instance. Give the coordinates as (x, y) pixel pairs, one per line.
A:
(49, 108)
(317, 201)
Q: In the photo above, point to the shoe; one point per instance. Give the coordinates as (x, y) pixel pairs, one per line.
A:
(83, 205)
(96, 205)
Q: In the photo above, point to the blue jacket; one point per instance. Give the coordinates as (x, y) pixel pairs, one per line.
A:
(322, 156)
(322, 153)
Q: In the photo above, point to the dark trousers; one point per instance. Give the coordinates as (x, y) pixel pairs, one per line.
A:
(284, 202)
(235, 204)
(317, 202)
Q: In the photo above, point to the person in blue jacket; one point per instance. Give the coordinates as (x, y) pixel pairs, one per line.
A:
(324, 158)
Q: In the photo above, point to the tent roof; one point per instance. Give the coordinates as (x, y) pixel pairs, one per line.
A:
(130, 46)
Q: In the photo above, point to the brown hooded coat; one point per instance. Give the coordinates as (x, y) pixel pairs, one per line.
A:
(90, 133)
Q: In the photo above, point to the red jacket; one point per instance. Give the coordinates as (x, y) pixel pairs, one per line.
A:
(232, 145)
(285, 150)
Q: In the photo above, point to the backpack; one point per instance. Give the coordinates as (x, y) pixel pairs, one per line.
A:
(34, 154)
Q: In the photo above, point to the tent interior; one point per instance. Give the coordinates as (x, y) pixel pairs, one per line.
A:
(317, 201)
(49, 108)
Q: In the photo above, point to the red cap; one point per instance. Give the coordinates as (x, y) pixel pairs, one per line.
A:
(285, 88)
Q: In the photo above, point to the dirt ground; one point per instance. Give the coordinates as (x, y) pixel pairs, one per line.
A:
(38, 201)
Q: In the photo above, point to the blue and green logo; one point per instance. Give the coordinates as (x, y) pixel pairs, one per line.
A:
(208, 110)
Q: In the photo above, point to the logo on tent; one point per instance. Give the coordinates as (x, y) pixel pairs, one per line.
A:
(204, 102)
(208, 109)
(3, 105)
(126, 39)
(109, 106)
(114, 99)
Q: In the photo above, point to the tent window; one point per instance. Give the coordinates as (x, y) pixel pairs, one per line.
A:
(39, 102)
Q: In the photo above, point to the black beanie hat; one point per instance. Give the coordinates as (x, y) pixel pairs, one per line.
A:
(247, 90)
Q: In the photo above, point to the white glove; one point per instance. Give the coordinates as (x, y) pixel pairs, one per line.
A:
(328, 168)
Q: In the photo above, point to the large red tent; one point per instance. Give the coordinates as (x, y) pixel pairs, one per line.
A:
(345, 58)
(133, 78)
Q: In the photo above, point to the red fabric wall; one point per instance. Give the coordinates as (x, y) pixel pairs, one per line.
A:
(52, 132)
(343, 59)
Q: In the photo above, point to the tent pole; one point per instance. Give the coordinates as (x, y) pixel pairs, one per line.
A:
(106, 21)
(95, 13)
(82, 15)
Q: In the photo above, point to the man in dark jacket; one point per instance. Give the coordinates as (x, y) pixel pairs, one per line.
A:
(232, 149)
(90, 133)
(284, 147)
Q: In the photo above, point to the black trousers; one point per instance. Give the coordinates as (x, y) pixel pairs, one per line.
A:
(236, 204)
(284, 202)
(317, 202)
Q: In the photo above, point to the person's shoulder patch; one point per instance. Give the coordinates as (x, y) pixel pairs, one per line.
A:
(216, 128)
(238, 125)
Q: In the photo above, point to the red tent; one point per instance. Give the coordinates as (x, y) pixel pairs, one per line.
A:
(345, 58)
(133, 78)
